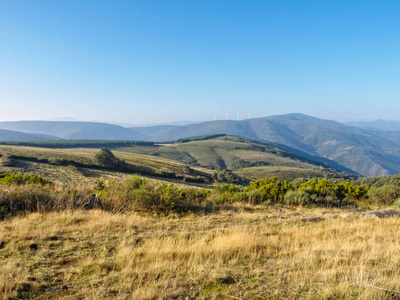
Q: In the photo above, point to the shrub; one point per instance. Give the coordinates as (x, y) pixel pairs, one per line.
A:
(268, 189)
(34, 197)
(227, 188)
(385, 195)
(297, 198)
(22, 179)
(99, 185)
(133, 182)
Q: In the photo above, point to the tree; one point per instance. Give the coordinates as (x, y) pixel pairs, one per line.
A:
(106, 158)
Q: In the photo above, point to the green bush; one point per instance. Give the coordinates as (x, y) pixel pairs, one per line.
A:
(385, 195)
(135, 194)
(22, 179)
(268, 189)
(133, 182)
(297, 198)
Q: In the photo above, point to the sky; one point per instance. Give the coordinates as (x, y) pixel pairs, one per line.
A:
(141, 62)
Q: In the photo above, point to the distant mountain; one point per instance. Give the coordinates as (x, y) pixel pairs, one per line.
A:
(63, 119)
(74, 130)
(364, 152)
(169, 133)
(151, 131)
(16, 136)
(393, 136)
(378, 125)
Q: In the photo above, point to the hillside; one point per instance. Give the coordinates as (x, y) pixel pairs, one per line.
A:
(367, 153)
(74, 130)
(75, 166)
(245, 157)
(379, 125)
(16, 136)
(198, 160)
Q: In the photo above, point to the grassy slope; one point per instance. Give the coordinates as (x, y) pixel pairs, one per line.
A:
(231, 255)
(229, 152)
(72, 175)
(249, 159)
(367, 153)
(287, 173)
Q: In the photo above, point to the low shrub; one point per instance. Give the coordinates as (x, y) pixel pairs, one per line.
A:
(22, 179)
(385, 195)
(297, 198)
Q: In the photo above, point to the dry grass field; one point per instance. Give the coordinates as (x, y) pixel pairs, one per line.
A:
(236, 253)
(76, 176)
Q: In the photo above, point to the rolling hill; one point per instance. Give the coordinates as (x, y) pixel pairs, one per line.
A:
(74, 130)
(199, 160)
(367, 153)
(16, 136)
(245, 157)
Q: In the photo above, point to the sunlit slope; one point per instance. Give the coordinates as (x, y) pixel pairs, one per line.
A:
(248, 158)
(77, 165)
(365, 152)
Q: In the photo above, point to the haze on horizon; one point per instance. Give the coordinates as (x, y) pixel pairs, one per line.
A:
(141, 62)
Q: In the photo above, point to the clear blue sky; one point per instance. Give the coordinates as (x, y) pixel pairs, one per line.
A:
(161, 61)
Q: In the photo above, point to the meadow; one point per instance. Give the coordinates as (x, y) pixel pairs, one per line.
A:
(235, 253)
(154, 237)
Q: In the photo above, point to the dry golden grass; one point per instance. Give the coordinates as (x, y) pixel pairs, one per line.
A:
(61, 175)
(87, 154)
(260, 254)
(71, 176)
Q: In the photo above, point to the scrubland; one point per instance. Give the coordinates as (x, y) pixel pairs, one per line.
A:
(145, 238)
